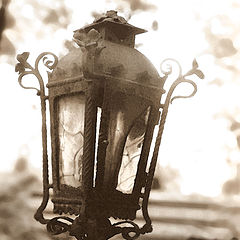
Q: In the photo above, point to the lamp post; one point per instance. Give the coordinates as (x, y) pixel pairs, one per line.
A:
(105, 101)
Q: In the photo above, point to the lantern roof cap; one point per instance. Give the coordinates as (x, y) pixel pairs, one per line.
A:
(111, 18)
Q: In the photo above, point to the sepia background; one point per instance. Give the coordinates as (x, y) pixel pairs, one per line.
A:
(197, 185)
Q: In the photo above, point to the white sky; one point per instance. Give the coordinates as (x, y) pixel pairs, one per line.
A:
(194, 142)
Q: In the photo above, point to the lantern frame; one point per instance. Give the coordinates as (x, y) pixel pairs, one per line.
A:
(90, 223)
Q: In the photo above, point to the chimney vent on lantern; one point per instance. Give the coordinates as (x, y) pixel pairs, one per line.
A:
(114, 28)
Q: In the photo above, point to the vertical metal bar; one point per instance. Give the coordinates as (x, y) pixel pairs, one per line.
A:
(141, 174)
(39, 213)
(103, 136)
(153, 166)
(89, 138)
(54, 122)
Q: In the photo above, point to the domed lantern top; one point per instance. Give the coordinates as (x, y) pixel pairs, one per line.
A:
(107, 51)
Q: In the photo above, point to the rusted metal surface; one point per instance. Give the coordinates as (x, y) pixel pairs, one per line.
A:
(105, 67)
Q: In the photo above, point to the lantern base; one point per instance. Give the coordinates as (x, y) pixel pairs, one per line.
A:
(96, 229)
(120, 205)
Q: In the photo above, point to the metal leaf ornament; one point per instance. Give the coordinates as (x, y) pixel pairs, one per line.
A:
(86, 40)
(181, 78)
(24, 68)
(19, 68)
(80, 38)
(22, 58)
(195, 70)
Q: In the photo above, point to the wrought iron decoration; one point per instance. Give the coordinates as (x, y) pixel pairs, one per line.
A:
(92, 222)
(56, 226)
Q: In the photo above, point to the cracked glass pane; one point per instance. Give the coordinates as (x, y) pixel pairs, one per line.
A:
(125, 110)
(71, 130)
(131, 153)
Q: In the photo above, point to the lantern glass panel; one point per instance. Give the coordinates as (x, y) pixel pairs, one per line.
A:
(71, 132)
(124, 111)
(131, 153)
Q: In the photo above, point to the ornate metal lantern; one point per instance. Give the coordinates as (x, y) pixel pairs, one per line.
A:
(105, 101)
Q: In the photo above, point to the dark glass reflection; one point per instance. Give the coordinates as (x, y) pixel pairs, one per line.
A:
(125, 110)
(131, 153)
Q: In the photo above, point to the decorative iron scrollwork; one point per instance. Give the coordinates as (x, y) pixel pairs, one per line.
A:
(24, 68)
(98, 224)
(55, 226)
(127, 230)
(180, 79)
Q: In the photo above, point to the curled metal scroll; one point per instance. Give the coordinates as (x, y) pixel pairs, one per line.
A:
(55, 226)
(134, 229)
(24, 68)
(181, 78)
(169, 99)
(127, 230)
